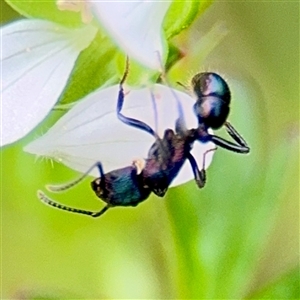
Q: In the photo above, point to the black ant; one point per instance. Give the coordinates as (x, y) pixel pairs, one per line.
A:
(131, 185)
(167, 155)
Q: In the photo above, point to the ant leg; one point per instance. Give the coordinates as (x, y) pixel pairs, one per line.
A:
(227, 145)
(155, 113)
(66, 186)
(55, 204)
(101, 212)
(203, 170)
(130, 121)
(240, 147)
(200, 175)
(235, 135)
(180, 125)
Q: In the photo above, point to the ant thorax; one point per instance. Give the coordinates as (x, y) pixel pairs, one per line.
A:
(165, 159)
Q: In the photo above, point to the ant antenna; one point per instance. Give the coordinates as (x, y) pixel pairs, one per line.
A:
(180, 122)
(204, 156)
(155, 112)
(158, 139)
(62, 187)
(55, 204)
(235, 135)
(130, 121)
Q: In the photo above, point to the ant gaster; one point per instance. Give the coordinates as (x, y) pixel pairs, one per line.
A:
(212, 110)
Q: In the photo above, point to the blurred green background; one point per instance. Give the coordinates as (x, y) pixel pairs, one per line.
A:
(238, 238)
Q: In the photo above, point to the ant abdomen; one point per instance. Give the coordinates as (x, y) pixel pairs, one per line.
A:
(211, 111)
(213, 99)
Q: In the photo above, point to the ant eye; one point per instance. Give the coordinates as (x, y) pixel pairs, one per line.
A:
(95, 184)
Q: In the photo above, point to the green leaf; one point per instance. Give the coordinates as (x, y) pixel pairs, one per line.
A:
(174, 56)
(286, 287)
(198, 53)
(46, 10)
(138, 75)
(181, 14)
(8, 14)
(101, 65)
(95, 67)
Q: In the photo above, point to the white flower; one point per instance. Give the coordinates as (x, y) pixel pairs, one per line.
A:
(37, 59)
(135, 26)
(38, 56)
(91, 131)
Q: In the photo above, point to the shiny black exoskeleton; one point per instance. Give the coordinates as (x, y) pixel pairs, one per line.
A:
(213, 99)
(168, 154)
(212, 109)
(121, 187)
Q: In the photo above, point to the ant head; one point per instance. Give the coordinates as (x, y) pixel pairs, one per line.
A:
(160, 187)
(213, 99)
(97, 187)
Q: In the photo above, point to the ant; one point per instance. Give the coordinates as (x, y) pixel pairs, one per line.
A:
(133, 184)
(167, 155)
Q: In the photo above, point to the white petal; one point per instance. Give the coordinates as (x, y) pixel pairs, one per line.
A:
(37, 59)
(91, 131)
(135, 26)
